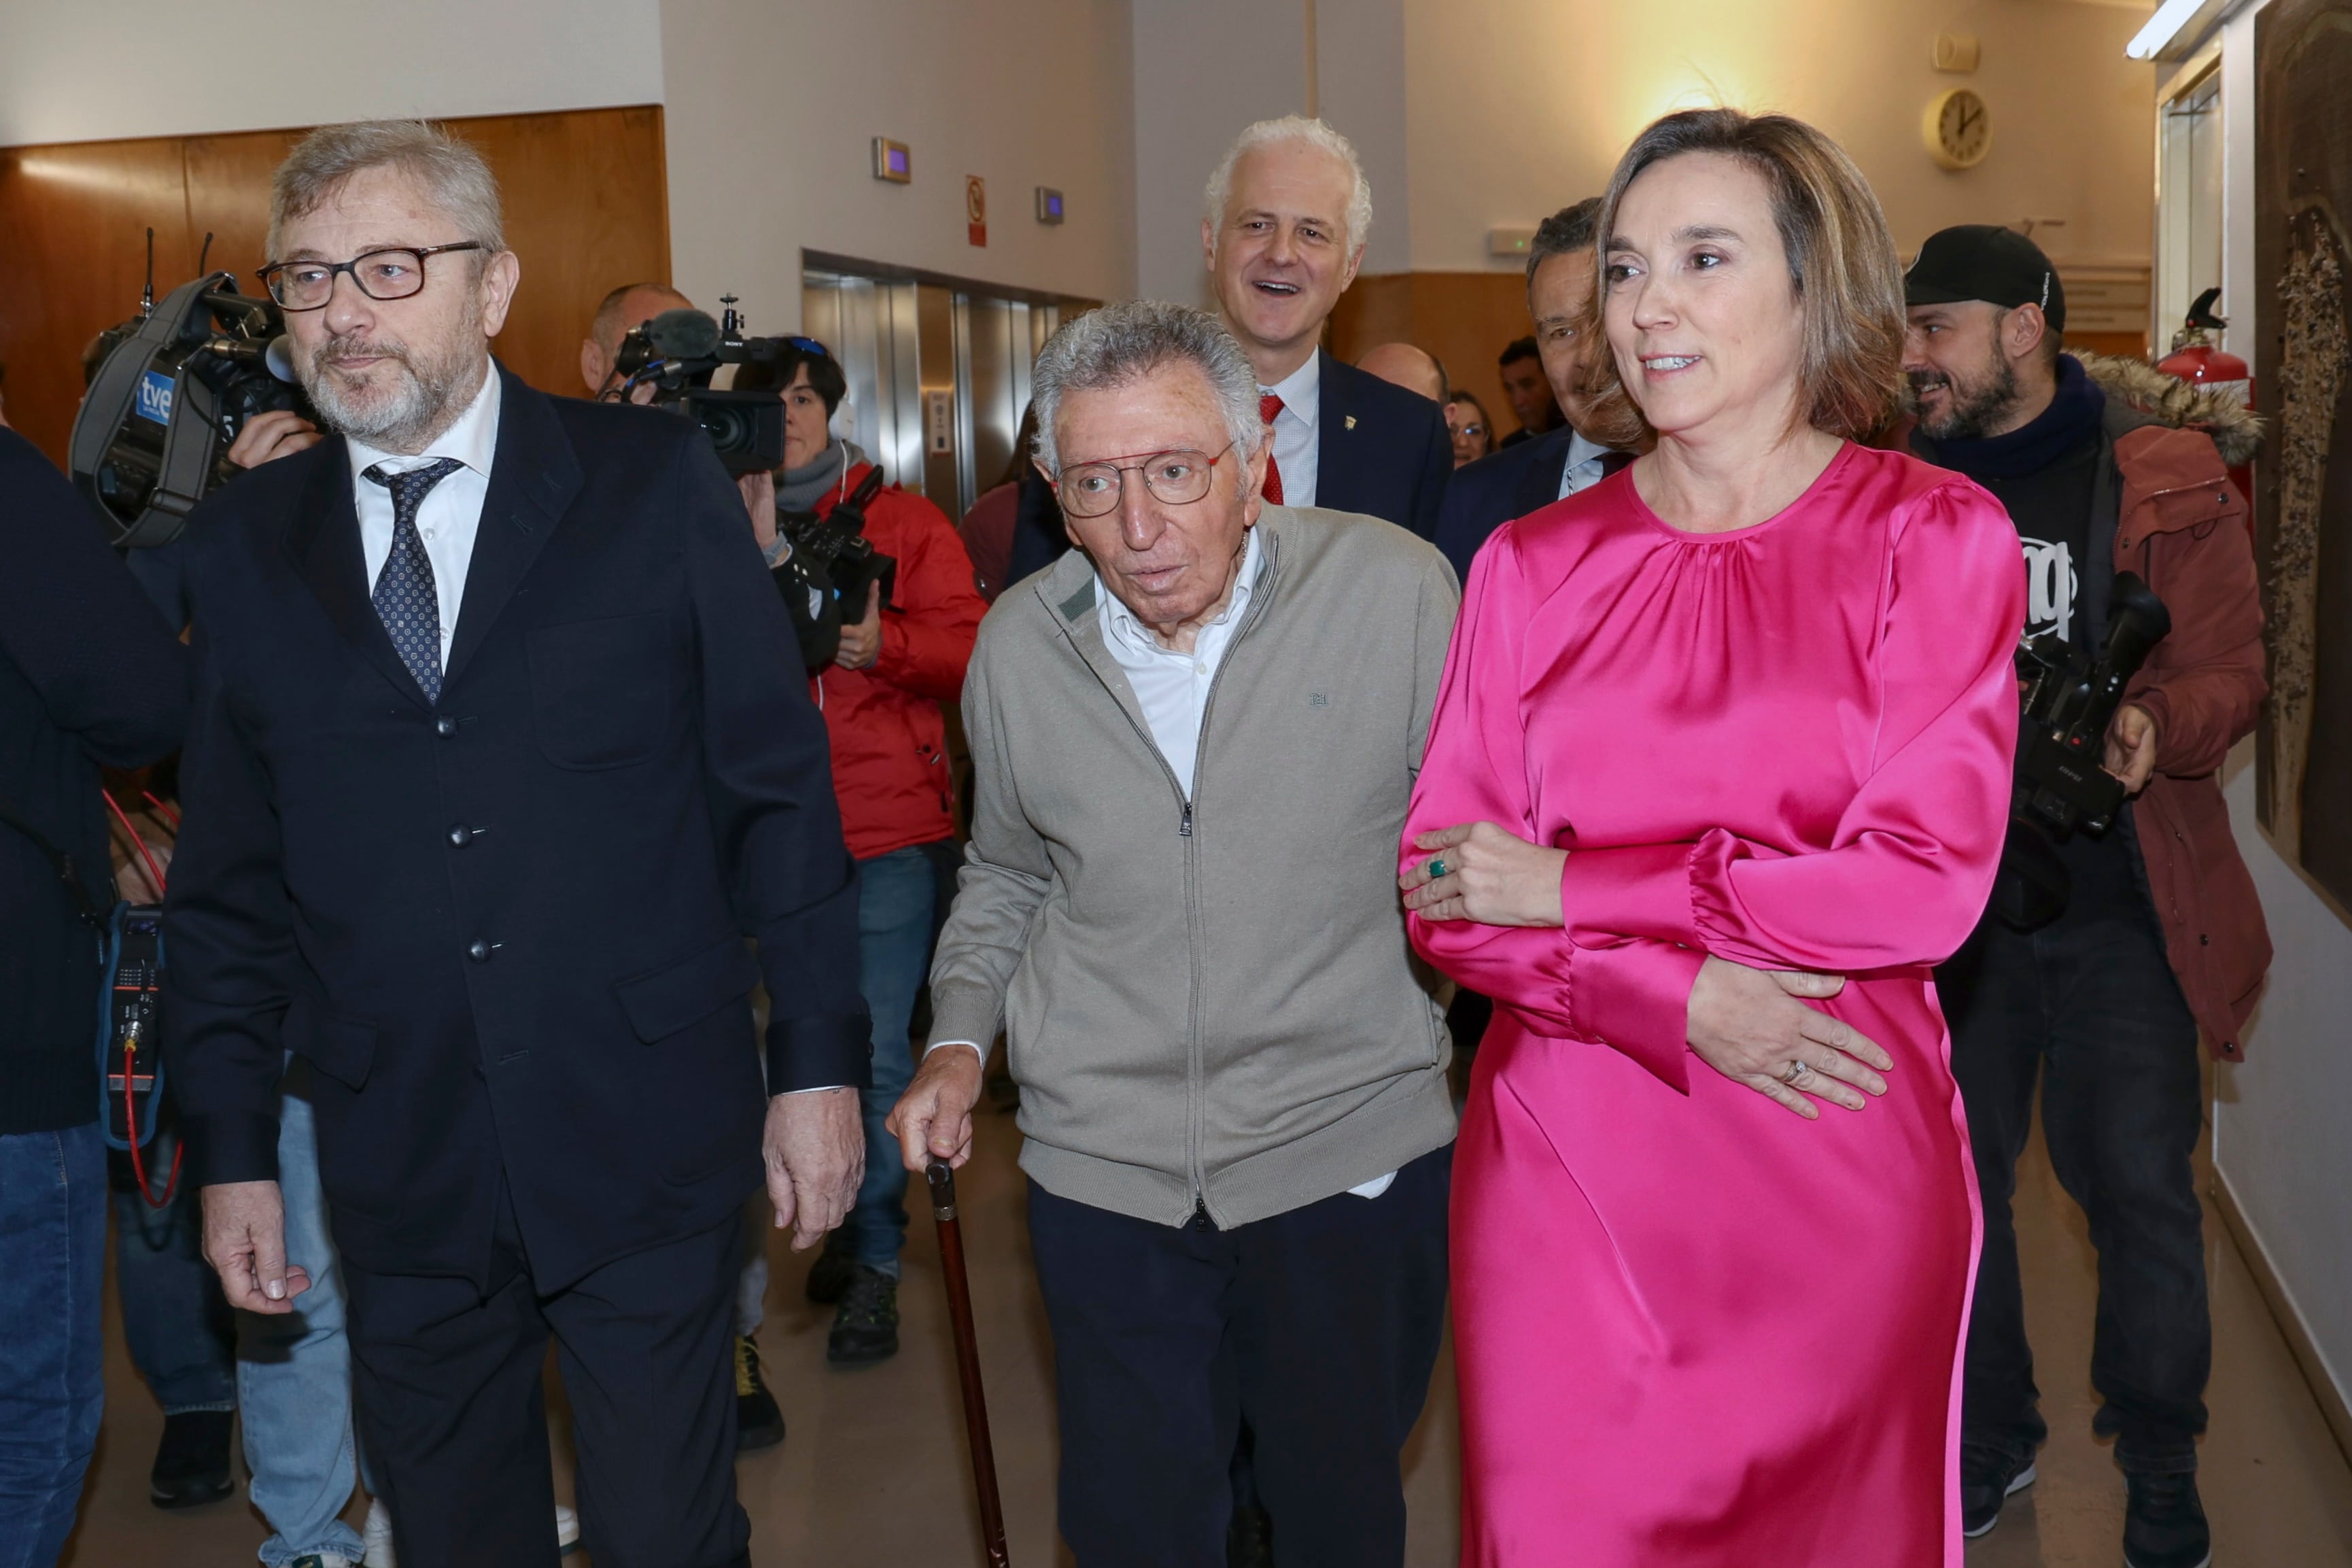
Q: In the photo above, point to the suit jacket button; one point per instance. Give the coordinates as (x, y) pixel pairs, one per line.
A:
(478, 951)
(445, 725)
(460, 837)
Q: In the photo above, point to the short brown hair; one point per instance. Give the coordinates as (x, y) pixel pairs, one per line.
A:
(1842, 263)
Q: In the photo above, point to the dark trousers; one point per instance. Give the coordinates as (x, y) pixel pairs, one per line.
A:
(1320, 1327)
(451, 1406)
(2092, 1008)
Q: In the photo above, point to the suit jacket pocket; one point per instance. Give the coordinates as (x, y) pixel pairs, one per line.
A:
(682, 993)
(341, 1048)
(602, 692)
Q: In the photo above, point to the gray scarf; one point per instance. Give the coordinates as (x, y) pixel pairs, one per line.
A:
(799, 490)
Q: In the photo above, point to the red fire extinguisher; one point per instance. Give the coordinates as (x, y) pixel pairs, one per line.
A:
(2196, 361)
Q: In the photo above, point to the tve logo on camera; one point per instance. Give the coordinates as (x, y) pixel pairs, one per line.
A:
(155, 397)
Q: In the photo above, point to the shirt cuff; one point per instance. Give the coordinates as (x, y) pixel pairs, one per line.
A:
(1634, 997)
(976, 1047)
(1639, 891)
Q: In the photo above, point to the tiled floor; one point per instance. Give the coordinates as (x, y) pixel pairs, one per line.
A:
(874, 1472)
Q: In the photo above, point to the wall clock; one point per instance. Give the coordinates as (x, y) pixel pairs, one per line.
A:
(1958, 129)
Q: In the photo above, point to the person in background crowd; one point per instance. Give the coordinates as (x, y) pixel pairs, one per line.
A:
(620, 312)
(1288, 210)
(538, 1113)
(2162, 933)
(987, 530)
(90, 677)
(1404, 365)
(901, 654)
(1562, 277)
(1473, 434)
(1233, 1095)
(1525, 384)
(1731, 728)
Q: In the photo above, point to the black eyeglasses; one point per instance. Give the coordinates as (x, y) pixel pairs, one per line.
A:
(380, 275)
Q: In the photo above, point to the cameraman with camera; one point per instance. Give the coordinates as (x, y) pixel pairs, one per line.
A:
(909, 615)
(2146, 931)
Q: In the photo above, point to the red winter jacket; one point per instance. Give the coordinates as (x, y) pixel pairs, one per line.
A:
(890, 738)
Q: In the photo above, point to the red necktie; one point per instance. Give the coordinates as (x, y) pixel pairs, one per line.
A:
(1268, 405)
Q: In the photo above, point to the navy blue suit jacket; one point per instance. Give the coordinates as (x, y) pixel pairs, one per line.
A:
(1502, 486)
(507, 930)
(1380, 449)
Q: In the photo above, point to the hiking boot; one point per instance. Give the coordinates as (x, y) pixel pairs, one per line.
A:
(865, 1326)
(759, 1422)
(2164, 1523)
(1989, 1478)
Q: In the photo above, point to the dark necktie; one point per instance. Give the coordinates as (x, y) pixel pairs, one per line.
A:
(405, 595)
(1268, 405)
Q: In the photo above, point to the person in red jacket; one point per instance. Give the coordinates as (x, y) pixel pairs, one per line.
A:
(903, 652)
(2161, 935)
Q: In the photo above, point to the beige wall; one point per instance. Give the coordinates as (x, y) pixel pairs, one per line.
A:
(1519, 107)
(772, 106)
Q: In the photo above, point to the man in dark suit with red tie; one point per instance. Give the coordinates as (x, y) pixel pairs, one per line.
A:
(1483, 496)
(500, 750)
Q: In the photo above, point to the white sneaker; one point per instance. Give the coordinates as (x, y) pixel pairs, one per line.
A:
(379, 1536)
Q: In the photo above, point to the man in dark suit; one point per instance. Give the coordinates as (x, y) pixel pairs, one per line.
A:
(1287, 214)
(501, 749)
(1484, 495)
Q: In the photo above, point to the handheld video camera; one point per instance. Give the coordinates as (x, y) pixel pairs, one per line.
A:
(179, 383)
(836, 546)
(678, 354)
(2066, 703)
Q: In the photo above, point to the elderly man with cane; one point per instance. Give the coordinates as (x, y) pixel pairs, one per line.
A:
(1194, 737)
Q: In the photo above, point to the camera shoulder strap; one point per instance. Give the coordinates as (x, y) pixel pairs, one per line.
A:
(84, 906)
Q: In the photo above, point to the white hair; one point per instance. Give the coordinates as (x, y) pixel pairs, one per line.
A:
(453, 172)
(1118, 344)
(1315, 134)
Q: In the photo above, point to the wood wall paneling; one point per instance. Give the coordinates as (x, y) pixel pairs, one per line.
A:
(1462, 318)
(586, 208)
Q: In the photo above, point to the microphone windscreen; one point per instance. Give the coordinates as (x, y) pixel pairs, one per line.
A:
(683, 334)
(279, 358)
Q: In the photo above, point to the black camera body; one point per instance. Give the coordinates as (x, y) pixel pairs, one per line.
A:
(179, 383)
(2066, 702)
(679, 351)
(836, 547)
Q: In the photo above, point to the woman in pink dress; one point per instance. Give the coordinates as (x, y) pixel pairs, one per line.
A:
(1731, 729)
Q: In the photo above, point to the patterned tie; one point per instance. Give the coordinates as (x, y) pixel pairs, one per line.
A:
(1268, 405)
(405, 595)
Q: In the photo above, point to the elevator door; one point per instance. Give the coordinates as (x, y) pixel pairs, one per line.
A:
(938, 372)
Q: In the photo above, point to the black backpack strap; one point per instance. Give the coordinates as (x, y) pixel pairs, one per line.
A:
(84, 906)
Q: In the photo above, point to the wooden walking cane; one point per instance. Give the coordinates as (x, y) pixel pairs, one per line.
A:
(967, 1349)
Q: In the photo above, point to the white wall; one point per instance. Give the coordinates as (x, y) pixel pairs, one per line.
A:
(772, 107)
(105, 69)
(1520, 106)
(2282, 1117)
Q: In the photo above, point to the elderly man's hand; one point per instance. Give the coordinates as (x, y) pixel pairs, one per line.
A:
(280, 432)
(814, 1147)
(932, 1120)
(245, 1241)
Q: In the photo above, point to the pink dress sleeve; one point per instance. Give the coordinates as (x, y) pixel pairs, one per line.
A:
(1906, 874)
(1630, 993)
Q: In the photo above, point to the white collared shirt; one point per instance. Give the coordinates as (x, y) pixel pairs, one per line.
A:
(1170, 686)
(1582, 469)
(1297, 451)
(451, 514)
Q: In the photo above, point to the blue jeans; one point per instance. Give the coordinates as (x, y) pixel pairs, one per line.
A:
(52, 1265)
(178, 1327)
(895, 896)
(294, 1372)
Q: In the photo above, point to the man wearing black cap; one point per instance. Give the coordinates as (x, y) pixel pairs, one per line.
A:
(2161, 934)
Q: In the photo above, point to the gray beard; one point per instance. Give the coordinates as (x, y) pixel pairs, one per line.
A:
(431, 394)
(1975, 410)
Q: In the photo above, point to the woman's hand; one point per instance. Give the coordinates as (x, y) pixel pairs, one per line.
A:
(1483, 874)
(1748, 1025)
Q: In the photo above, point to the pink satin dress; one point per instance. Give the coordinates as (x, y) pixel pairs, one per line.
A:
(1691, 1327)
